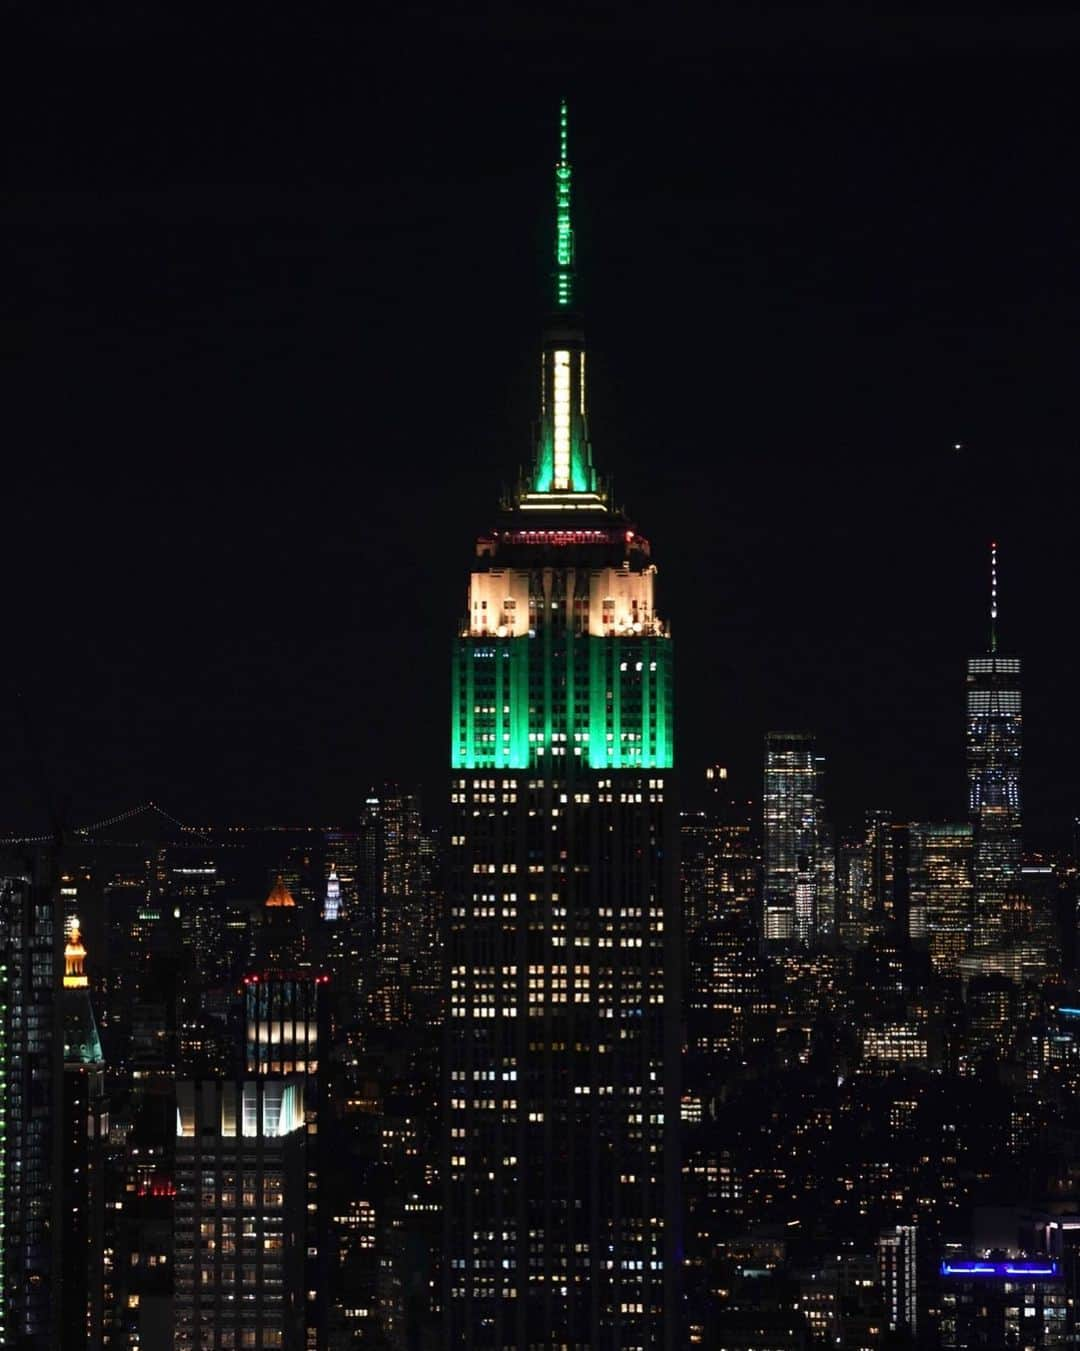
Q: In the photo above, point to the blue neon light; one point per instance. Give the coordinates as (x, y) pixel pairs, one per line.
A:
(1023, 1269)
(1069, 1013)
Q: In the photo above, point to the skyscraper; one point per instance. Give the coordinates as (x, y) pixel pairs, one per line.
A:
(719, 885)
(31, 1090)
(286, 1031)
(561, 1047)
(395, 889)
(879, 904)
(898, 1273)
(241, 1194)
(795, 842)
(940, 896)
(85, 1126)
(993, 763)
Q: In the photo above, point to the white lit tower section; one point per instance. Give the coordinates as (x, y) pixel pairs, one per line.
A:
(994, 727)
(332, 902)
(792, 840)
(561, 1050)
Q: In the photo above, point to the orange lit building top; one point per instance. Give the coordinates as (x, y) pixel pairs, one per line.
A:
(280, 895)
(74, 959)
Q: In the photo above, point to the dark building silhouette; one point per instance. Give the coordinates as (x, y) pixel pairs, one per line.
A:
(31, 1126)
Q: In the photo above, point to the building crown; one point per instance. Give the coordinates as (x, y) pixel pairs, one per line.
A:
(74, 958)
(280, 895)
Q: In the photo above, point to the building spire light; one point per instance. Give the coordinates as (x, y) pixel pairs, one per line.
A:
(993, 596)
(74, 958)
(563, 474)
(564, 233)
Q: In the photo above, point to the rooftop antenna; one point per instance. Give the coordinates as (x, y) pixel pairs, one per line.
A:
(564, 234)
(993, 596)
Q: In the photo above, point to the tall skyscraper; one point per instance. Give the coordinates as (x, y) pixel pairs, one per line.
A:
(940, 914)
(85, 1126)
(851, 890)
(31, 1092)
(395, 891)
(561, 1046)
(879, 903)
(796, 843)
(993, 763)
(719, 884)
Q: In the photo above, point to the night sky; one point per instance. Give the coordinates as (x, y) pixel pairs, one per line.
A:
(270, 356)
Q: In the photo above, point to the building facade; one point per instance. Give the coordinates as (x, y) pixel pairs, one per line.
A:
(561, 1043)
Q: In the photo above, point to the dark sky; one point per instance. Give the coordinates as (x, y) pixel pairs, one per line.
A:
(271, 355)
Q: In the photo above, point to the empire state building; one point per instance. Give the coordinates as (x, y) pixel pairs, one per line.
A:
(560, 1073)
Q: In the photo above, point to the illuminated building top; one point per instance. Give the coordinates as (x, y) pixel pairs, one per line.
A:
(1017, 1270)
(332, 905)
(74, 959)
(280, 895)
(562, 658)
(82, 1044)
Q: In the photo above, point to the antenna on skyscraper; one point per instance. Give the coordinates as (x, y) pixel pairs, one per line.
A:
(993, 596)
(564, 234)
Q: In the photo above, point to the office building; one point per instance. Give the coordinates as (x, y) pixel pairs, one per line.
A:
(241, 1195)
(940, 904)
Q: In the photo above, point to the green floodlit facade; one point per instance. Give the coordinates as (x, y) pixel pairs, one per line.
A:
(529, 702)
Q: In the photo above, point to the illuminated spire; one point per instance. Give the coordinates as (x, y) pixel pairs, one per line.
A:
(280, 895)
(993, 596)
(564, 234)
(563, 466)
(74, 958)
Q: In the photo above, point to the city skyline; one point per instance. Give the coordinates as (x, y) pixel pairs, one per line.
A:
(658, 926)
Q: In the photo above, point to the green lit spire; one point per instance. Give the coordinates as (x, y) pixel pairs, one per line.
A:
(563, 454)
(564, 234)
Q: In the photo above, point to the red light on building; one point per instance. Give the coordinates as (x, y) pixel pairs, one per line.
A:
(160, 1187)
